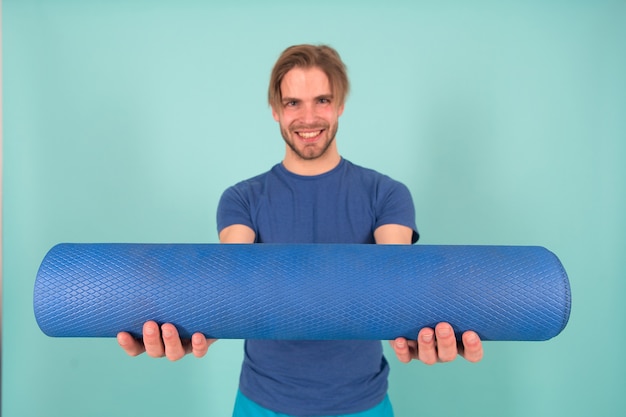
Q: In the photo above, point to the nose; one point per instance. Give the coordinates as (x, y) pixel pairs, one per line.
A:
(309, 114)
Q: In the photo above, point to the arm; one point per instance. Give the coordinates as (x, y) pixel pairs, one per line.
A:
(393, 234)
(432, 345)
(163, 341)
(237, 233)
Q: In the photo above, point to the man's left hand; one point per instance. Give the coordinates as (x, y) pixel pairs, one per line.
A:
(438, 345)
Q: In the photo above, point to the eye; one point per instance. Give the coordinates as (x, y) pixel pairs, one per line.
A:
(291, 103)
(324, 100)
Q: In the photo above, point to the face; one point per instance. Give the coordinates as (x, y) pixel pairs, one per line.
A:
(308, 114)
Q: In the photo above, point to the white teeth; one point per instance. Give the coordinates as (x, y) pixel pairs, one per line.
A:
(309, 135)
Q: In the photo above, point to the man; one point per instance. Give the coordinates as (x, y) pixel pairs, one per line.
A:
(314, 196)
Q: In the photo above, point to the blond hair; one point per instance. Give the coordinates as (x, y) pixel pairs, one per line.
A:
(308, 56)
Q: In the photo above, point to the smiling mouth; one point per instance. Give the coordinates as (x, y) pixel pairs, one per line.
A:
(309, 136)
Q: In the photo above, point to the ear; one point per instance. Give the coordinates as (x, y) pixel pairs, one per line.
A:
(275, 114)
(340, 110)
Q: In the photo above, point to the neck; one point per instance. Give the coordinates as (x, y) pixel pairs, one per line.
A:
(309, 167)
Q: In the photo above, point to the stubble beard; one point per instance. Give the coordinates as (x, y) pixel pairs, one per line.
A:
(309, 152)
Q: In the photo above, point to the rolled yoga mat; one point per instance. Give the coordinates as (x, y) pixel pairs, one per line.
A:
(302, 292)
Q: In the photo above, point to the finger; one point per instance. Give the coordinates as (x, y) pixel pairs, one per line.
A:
(446, 342)
(131, 346)
(200, 344)
(426, 347)
(175, 349)
(152, 340)
(401, 348)
(472, 347)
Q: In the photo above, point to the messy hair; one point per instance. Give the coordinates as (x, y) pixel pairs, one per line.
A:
(309, 56)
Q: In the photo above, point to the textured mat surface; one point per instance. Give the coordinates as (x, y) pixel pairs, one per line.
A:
(299, 292)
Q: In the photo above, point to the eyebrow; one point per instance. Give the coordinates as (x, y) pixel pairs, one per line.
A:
(322, 96)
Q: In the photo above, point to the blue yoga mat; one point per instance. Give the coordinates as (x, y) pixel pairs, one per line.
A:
(302, 292)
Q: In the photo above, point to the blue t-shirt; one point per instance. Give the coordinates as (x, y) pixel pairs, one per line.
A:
(344, 205)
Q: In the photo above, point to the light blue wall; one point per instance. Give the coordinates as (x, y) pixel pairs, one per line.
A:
(124, 121)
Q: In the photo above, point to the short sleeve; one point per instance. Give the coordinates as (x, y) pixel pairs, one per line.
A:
(234, 208)
(394, 205)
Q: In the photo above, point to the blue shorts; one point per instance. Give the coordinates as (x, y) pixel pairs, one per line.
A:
(244, 407)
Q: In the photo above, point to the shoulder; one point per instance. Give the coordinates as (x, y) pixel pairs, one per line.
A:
(392, 200)
(251, 186)
(240, 201)
(372, 177)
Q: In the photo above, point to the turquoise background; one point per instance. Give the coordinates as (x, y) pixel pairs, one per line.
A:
(124, 122)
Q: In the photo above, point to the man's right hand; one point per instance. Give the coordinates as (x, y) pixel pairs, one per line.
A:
(164, 341)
